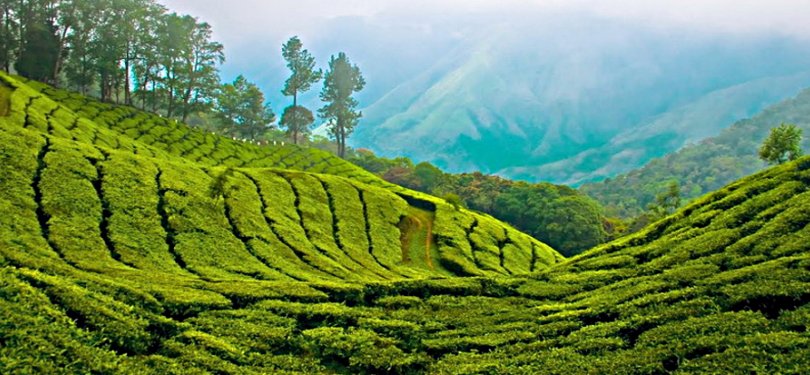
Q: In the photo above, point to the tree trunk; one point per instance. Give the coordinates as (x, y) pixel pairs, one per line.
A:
(143, 86)
(21, 29)
(187, 102)
(341, 140)
(127, 97)
(8, 41)
(57, 66)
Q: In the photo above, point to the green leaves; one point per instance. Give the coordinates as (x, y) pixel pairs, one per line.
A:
(241, 106)
(783, 144)
(341, 81)
(302, 68)
(297, 120)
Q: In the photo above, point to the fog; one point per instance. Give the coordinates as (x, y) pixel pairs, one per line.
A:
(393, 40)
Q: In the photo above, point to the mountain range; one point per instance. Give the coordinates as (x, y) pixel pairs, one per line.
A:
(703, 166)
(578, 100)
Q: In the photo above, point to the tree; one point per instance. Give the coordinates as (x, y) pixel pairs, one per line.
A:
(241, 107)
(8, 39)
(188, 59)
(39, 51)
(147, 68)
(297, 119)
(200, 73)
(303, 75)
(341, 81)
(783, 144)
(302, 69)
(666, 202)
(429, 176)
(80, 65)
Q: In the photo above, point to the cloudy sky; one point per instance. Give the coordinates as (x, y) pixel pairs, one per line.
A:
(408, 32)
(247, 18)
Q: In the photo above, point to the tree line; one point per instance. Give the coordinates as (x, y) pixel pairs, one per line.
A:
(136, 52)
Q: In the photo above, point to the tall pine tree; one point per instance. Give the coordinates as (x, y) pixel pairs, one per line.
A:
(341, 81)
(297, 119)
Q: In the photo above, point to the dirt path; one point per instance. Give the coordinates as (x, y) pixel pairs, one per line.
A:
(428, 244)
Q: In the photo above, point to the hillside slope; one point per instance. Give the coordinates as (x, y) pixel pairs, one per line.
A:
(112, 261)
(142, 190)
(705, 166)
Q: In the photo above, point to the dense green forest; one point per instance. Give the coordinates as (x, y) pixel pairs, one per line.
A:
(558, 215)
(134, 244)
(702, 167)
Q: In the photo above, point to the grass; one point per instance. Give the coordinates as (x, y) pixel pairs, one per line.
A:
(131, 244)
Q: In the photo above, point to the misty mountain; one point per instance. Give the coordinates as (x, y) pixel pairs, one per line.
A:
(573, 102)
(566, 98)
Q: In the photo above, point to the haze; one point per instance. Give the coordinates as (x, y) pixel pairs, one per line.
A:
(575, 90)
(253, 30)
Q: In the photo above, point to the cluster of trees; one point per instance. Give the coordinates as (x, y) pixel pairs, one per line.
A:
(341, 81)
(136, 52)
(558, 215)
(127, 51)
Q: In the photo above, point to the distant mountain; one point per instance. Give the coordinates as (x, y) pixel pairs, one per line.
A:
(665, 133)
(704, 166)
(577, 100)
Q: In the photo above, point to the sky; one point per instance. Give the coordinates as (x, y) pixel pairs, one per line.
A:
(253, 31)
(247, 18)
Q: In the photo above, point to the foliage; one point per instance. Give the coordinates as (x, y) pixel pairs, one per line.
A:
(211, 190)
(783, 144)
(341, 81)
(114, 258)
(135, 52)
(666, 202)
(302, 69)
(454, 200)
(38, 53)
(297, 120)
(133, 48)
(242, 108)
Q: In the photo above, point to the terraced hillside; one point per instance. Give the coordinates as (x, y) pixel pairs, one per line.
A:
(148, 192)
(118, 262)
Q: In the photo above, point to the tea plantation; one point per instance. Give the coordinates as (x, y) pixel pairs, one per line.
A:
(133, 244)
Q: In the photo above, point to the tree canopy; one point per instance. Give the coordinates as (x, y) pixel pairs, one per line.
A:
(242, 108)
(296, 118)
(783, 144)
(340, 112)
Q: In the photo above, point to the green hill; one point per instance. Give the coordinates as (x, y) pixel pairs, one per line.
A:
(123, 254)
(701, 167)
(195, 191)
